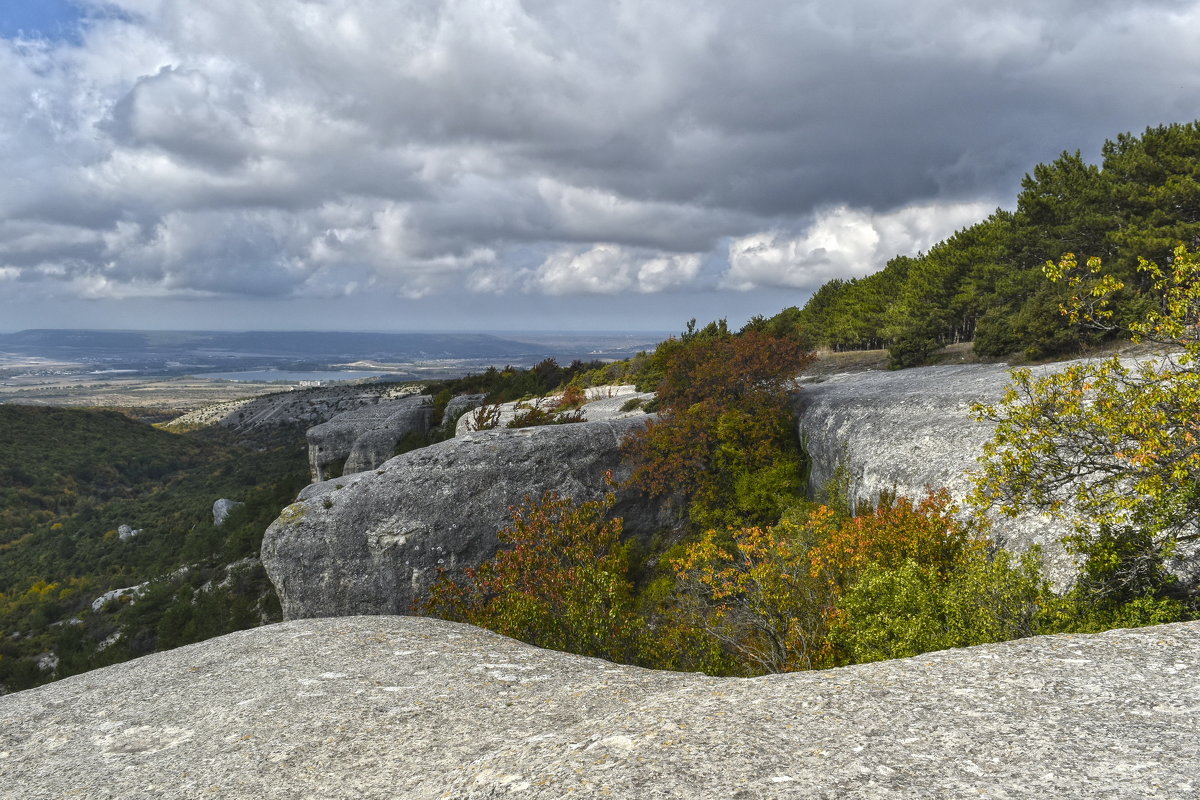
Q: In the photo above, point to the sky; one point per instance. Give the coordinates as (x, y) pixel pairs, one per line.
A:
(528, 164)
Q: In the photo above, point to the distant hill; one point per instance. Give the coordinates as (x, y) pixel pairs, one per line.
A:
(279, 344)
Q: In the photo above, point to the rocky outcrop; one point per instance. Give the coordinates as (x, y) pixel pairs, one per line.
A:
(132, 592)
(295, 407)
(221, 509)
(457, 407)
(620, 406)
(392, 707)
(372, 542)
(913, 429)
(603, 402)
(364, 438)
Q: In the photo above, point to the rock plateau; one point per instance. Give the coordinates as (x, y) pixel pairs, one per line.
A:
(405, 707)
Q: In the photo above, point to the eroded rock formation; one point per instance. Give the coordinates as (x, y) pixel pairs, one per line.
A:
(365, 437)
(405, 707)
(911, 430)
(371, 542)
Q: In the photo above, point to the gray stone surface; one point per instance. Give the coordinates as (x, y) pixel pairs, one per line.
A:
(308, 406)
(502, 413)
(610, 407)
(458, 406)
(603, 402)
(911, 430)
(371, 542)
(221, 509)
(402, 707)
(365, 437)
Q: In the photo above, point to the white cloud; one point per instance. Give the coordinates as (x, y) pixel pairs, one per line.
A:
(842, 243)
(611, 269)
(417, 147)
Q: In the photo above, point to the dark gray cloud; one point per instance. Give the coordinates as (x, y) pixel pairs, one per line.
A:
(233, 152)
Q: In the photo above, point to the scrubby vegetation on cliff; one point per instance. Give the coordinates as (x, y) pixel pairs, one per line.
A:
(761, 580)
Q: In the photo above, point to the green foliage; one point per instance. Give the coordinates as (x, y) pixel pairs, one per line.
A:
(822, 588)
(512, 383)
(70, 478)
(1108, 445)
(984, 283)
(562, 582)
(909, 607)
(723, 444)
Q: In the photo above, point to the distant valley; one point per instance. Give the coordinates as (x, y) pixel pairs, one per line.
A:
(183, 370)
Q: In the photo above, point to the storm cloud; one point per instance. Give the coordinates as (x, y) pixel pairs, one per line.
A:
(507, 151)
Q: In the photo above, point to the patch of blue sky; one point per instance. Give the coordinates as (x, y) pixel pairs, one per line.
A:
(40, 19)
(54, 20)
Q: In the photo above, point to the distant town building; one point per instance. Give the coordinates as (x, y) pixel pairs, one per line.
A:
(312, 383)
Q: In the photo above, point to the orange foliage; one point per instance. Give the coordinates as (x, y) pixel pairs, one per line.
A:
(927, 533)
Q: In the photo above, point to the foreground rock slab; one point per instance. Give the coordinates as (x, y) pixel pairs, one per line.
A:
(403, 707)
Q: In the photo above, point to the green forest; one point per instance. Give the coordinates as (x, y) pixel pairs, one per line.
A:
(985, 284)
(70, 478)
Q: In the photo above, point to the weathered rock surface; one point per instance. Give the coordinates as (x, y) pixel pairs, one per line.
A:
(913, 429)
(603, 402)
(365, 437)
(126, 532)
(221, 509)
(458, 406)
(613, 407)
(500, 414)
(295, 407)
(371, 542)
(403, 707)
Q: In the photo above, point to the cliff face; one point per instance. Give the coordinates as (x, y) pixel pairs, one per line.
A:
(386, 707)
(911, 430)
(365, 437)
(372, 542)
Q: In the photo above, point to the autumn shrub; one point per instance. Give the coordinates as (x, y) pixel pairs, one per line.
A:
(723, 445)
(561, 581)
(822, 588)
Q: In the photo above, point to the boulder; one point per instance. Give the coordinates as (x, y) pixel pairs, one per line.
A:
(366, 437)
(457, 407)
(125, 532)
(372, 542)
(221, 509)
(132, 592)
(404, 707)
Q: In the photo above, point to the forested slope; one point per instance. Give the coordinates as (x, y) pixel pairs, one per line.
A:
(985, 283)
(70, 478)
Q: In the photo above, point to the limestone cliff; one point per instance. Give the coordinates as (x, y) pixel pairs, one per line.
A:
(913, 429)
(371, 542)
(394, 707)
(365, 437)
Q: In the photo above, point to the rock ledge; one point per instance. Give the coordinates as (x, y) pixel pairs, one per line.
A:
(404, 707)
